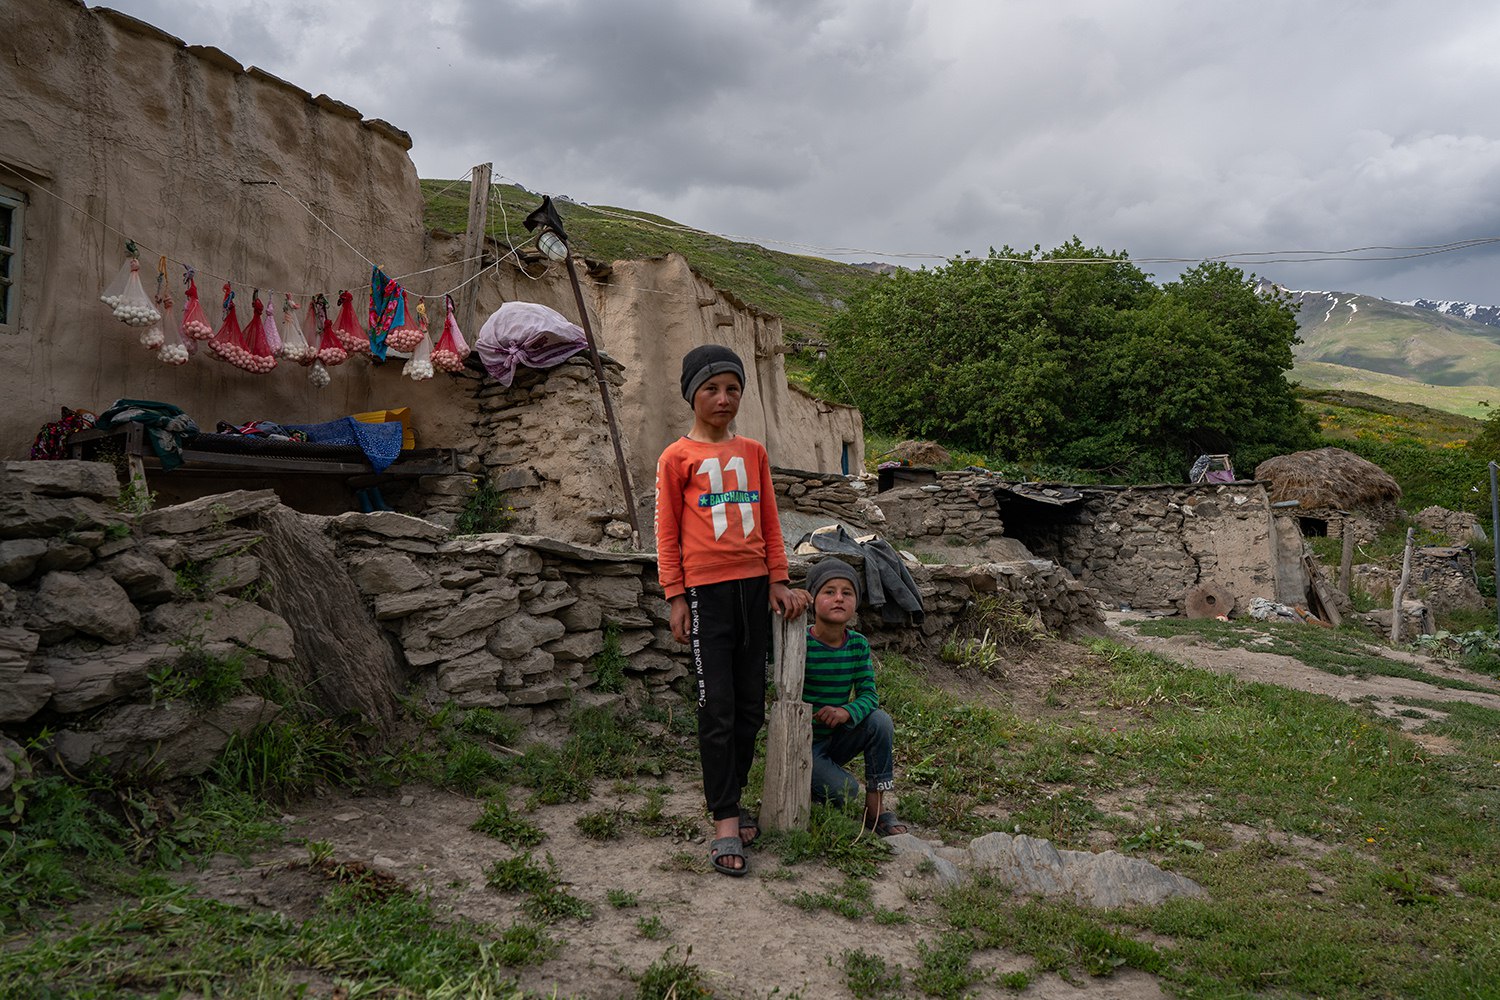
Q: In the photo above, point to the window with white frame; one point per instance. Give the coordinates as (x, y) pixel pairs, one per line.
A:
(12, 209)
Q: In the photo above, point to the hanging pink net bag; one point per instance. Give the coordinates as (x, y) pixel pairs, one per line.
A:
(451, 349)
(230, 337)
(294, 346)
(126, 296)
(350, 333)
(412, 332)
(330, 351)
(255, 354)
(194, 323)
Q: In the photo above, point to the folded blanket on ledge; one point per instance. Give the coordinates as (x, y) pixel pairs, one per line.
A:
(381, 443)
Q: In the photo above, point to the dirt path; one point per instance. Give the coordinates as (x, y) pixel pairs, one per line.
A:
(1384, 695)
(746, 934)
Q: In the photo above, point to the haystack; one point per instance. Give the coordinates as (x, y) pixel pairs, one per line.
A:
(922, 453)
(1328, 477)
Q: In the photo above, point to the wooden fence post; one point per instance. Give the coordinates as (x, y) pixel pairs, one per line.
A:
(787, 797)
(1399, 598)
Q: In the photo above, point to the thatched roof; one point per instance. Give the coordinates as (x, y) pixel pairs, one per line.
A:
(928, 453)
(1328, 477)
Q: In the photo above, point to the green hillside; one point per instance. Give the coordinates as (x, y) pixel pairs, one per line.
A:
(1387, 338)
(804, 291)
(1468, 400)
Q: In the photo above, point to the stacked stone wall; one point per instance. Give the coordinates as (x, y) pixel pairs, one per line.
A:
(99, 610)
(1145, 547)
(959, 510)
(843, 498)
(544, 443)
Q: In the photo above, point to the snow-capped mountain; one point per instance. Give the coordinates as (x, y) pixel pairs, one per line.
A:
(1488, 315)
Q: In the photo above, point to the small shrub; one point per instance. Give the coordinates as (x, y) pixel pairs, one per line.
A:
(665, 979)
(603, 824)
(651, 928)
(524, 944)
(622, 899)
(491, 724)
(868, 977)
(485, 511)
(496, 820)
(609, 664)
(469, 766)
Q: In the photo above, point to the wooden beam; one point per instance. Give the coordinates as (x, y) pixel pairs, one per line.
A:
(786, 802)
(1346, 561)
(474, 245)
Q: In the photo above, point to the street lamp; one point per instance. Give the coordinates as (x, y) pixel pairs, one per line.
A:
(552, 241)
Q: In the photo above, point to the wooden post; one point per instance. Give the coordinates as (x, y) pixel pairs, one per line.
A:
(1400, 595)
(787, 798)
(1346, 561)
(479, 201)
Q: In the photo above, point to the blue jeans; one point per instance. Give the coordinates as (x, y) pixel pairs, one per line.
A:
(874, 738)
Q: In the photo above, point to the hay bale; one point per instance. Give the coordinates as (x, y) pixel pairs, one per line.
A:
(923, 453)
(1328, 477)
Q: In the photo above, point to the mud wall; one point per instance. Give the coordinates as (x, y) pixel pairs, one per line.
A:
(116, 130)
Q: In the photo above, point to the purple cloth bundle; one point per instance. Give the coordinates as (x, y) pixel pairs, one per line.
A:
(525, 333)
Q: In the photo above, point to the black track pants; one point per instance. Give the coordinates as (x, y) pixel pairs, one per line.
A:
(729, 628)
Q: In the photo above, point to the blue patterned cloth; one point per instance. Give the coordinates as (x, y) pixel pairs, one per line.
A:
(381, 443)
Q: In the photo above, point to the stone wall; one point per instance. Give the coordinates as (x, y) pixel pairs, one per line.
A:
(544, 442)
(104, 615)
(1146, 546)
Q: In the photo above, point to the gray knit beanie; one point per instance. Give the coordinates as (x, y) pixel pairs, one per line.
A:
(831, 569)
(703, 363)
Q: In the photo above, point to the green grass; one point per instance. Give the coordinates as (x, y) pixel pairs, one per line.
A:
(1343, 653)
(1398, 829)
(803, 291)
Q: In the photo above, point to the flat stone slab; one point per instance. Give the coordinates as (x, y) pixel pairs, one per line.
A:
(1031, 865)
(61, 478)
(206, 513)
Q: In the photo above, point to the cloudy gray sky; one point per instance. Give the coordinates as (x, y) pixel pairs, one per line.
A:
(1164, 128)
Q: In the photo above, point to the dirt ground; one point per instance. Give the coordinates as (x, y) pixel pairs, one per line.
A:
(744, 933)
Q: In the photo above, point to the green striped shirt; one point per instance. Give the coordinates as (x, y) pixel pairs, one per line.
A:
(840, 676)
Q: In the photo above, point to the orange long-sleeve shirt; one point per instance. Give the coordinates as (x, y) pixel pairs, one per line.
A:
(716, 515)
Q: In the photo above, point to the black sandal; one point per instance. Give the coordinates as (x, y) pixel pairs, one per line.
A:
(728, 847)
(748, 822)
(886, 825)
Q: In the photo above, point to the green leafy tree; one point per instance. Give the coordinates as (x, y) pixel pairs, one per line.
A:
(1073, 354)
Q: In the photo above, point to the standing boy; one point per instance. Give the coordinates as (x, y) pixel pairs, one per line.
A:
(840, 685)
(722, 564)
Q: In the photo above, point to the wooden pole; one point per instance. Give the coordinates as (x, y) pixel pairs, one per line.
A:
(1346, 561)
(479, 199)
(1400, 595)
(787, 798)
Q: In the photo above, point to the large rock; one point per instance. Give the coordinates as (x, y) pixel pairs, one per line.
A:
(31, 515)
(19, 558)
(90, 603)
(208, 513)
(478, 611)
(145, 578)
(522, 633)
(389, 524)
(577, 646)
(1034, 866)
(84, 682)
(389, 606)
(95, 480)
(165, 740)
(22, 693)
(613, 593)
(388, 573)
(17, 646)
(226, 619)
